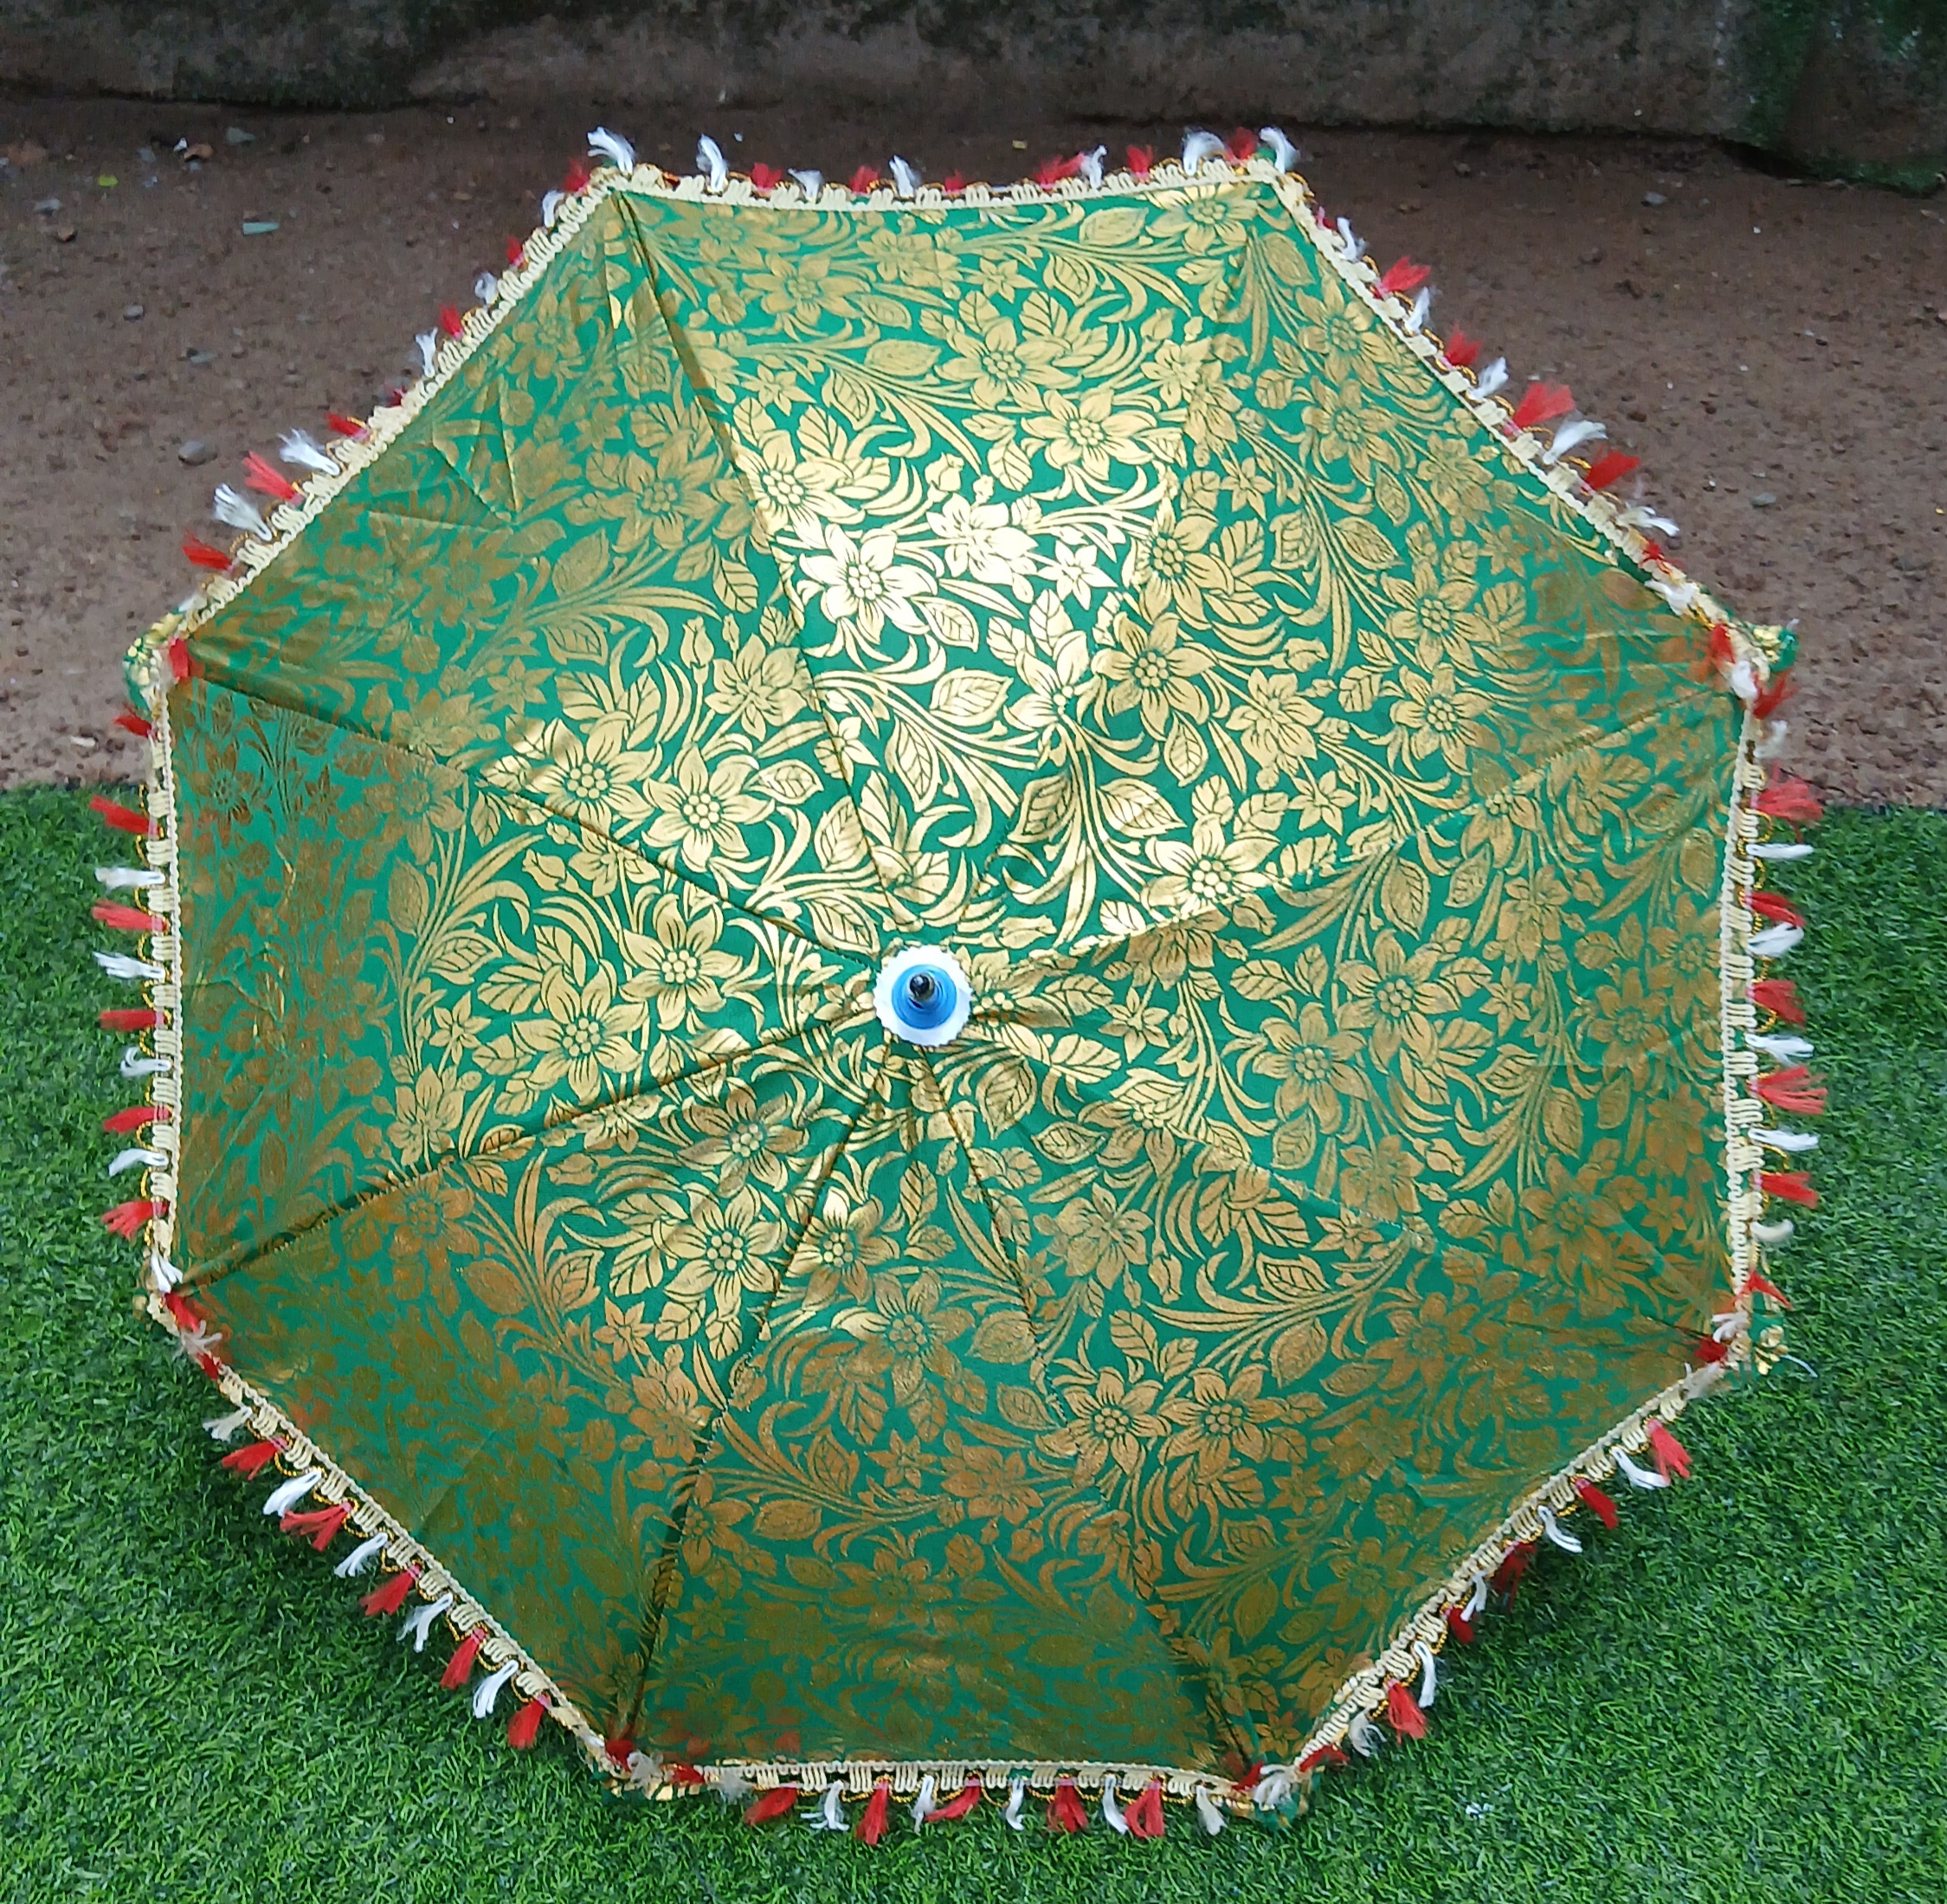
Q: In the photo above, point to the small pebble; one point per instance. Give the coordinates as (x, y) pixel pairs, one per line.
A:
(234, 135)
(47, 206)
(64, 234)
(200, 360)
(1654, 198)
(258, 228)
(131, 311)
(195, 451)
(1763, 499)
(85, 742)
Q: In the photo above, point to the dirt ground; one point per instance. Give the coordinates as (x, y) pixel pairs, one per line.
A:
(1775, 352)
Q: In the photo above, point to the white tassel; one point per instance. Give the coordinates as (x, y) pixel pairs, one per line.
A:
(1355, 248)
(199, 1344)
(1111, 1812)
(138, 1156)
(711, 163)
(1724, 1326)
(905, 177)
(1364, 1736)
(1775, 1236)
(1284, 154)
(122, 878)
(1477, 1599)
(552, 203)
(1429, 1674)
(122, 965)
(1416, 318)
(1571, 436)
(488, 1691)
(1639, 515)
(1493, 378)
(1199, 146)
(1207, 1811)
(811, 184)
(1017, 1797)
(238, 511)
(164, 1275)
(1556, 1532)
(1091, 164)
(1775, 941)
(419, 1625)
(428, 343)
(1789, 1141)
(134, 1065)
(1742, 677)
(1776, 851)
(644, 1771)
(924, 1803)
(487, 287)
(613, 147)
(220, 1428)
(1771, 742)
(298, 447)
(1274, 1787)
(1681, 596)
(1638, 1477)
(830, 1814)
(288, 1494)
(1786, 1047)
(360, 1557)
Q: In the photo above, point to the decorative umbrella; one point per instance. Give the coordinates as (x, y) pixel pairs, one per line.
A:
(941, 984)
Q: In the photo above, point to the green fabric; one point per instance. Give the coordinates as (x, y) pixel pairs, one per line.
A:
(1331, 826)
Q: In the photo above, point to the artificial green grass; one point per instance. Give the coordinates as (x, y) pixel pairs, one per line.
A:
(1740, 1695)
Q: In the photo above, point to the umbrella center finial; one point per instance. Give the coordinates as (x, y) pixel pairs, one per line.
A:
(923, 996)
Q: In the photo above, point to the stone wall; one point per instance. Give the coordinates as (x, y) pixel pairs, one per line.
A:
(1852, 87)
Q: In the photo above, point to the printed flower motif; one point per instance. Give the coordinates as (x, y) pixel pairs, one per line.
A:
(1151, 667)
(593, 778)
(1396, 997)
(1164, 954)
(1435, 714)
(1577, 1221)
(1071, 567)
(703, 808)
(1097, 1238)
(1309, 1060)
(1003, 365)
(864, 585)
(1088, 436)
(992, 1481)
(415, 802)
(1345, 426)
(426, 1116)
(795, 494)
(1213, 867)
(1429, 1340)
(668, 1411)
(1274, 722)
(1109, 1420)
(725, 1247)
(979, 542)
(1338, 333)
(585, 1028)
(1220, 1420)
(907, 1334)
(1450, 473)
(1167, 568)
(676, 965)
(760, 687)
(1368, 1579)
(1380, 1183)
(841, 1247)
(740, 1141)
(799, 288)
(1203, 218)
(1530, 916)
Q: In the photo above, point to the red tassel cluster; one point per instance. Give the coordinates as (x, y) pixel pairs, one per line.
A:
(953, 184)
(1241, 146)
(1542, 403)
(766, 178)
(1404, 1714)
(133, 1118)
(267, 479)
(344, 425)
(1065, 1809)
(127, 1219)
(251, 1461)
(1462, 349)
(1324, 1756)
(388, 1597)
(461, 1663)
(122, 819)
(1780, 997)
(1791, 1186)
(1144, 1817)
(127, 918)
(517, 253)
(1779, 912)
(878, 1814)
(775, 1804)
(1791, 799)
(577, 178)
(1764, 1286)
(863, 179)
(526, 1725)
(1795, 1089)
(207, 555)
(958, 1805)
(1611, 468)
(450, 320)
(1671, 1457)
(1051, 171)
(1140, 160)
(1404, 275)
(1460, 1626)
(130, 722)
(1514, 1569)
(320, 1526)
(1597, 1502)
(129, 1018)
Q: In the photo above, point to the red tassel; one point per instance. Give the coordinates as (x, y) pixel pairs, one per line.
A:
(1765, 1287)
(685, 1776)
(133, 1118)
(775, 1804)
(207, 555)
(877, 1815)
(250, 1462)
(1709, 1349)
(1144, 1817)
(1653, 554)
(864, 179)
(124, 1219)
(1609, 469)
(1671, 1457)
(130, 722)
(461, 1663)
(517, 253)
(1051, 171)
(1721, 649)
(394, 396)
(1509, 1574)
(1462, 349)
(127, 918)
(388, 1598)
(1792, 1186)
(1403, 1711)
(953, 184)
(344, 425)
(1065, 1809)
(179, 1305)
(1404, 275)
(526, 1725)
(1325, 1755)
(1141, 161)
(1460, 1626)
(766, 178)
(129, 1018)
(1597, 1502)
(320, 1526)
(577, 178)
(267, 481)
(450, 320)
(1774, 694)
(1780, 997)
(180, 666)
(619, 1749)
(1789, 798)
(1794, 1089)
(1240, 145)
(1542, 403)
(1781, 911)
(958, 1805)
(122, 819)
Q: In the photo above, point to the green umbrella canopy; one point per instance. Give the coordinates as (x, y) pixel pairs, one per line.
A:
(1329, 808)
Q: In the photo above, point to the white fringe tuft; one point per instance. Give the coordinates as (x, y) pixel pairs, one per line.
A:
(1274, 1787)
(419, 1623)
(1477, 1597)
(1775, 941)
(811, 184)
(487, 287)
(1284, 154)
(552, 203)
(1429, 1674)
(123, 879)
(428, 343)
(1199, 146)
(1572, 436)
(220, 1428)
(488, 1691)
(905, 178)
(1771, 743)
(1354, 248)
(929, 1787)
(1207, 1814)
(1789, 1141)
(1091, 164)
(134, 1065)
(360, 1557)
(613, 147)
(138, 1156)
(1111, 1812)
(1494, 377)
(1638, 1477)
(1416, 317)
(1364, 1736)
(1775, 1236)
(1776, 850)
(1017, 1796)
(123, 965)
(288, 1494)
(300, 447)
(164, 1275)
(236, 511)
(711, 163)
(1639, 515)
(830, 1813)
(1556, 1532)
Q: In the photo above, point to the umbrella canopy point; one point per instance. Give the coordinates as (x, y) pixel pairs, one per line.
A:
(955, 995)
